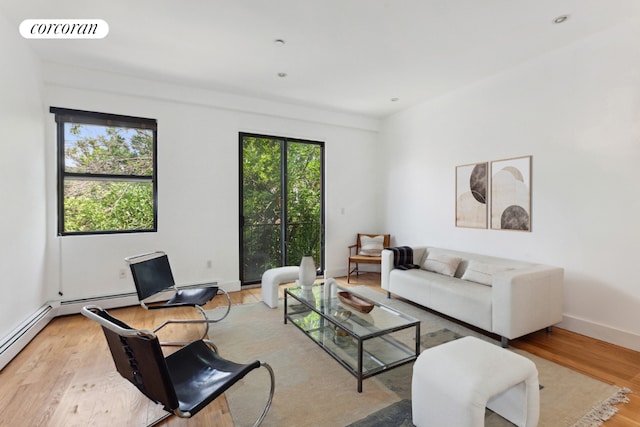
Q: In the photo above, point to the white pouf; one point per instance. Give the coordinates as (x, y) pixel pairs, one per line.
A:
(272, 278)
(453, 383)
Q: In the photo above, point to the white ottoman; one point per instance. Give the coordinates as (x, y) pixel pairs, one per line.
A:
(272, 278)
(453, 383)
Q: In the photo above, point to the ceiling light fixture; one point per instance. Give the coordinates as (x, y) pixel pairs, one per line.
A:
(395, 99)
(560, 19)
(282, 75)
(279, 42)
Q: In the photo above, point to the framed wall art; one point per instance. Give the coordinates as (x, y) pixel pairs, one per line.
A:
(471, 195)
(511, 194)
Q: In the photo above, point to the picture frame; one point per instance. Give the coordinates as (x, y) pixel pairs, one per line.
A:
(511, 194)
(472, 195)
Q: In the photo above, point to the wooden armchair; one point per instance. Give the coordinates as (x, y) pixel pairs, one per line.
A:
(369, 253)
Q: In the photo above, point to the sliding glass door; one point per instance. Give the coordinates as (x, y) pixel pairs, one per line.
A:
(281, 203)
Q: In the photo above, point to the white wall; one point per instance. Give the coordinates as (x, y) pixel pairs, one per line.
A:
(22, 161)
(577, 112)
(198, 177)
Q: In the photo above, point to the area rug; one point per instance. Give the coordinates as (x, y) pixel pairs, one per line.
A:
(313, 389)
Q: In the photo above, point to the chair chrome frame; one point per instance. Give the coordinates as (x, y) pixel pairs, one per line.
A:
(109, 323)
(150, 302)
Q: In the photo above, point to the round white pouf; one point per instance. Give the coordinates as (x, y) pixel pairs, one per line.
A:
(453, 383)
(272, 278)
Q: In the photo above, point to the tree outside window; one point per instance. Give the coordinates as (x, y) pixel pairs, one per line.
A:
(106, 173)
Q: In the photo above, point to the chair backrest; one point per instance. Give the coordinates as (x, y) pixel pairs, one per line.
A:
(385, 243)
(138, 357)
(151, 275)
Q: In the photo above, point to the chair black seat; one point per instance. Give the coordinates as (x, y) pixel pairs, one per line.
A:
(190, 297)
(199, 375)
(183, 382)
(152, 276)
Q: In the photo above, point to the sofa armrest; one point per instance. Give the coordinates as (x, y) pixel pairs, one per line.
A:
(387, 264)
(526, 300)
(385, 268)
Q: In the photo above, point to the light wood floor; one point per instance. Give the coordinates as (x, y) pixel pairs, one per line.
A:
(65, 376)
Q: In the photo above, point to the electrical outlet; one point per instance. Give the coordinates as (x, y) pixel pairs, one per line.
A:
(209, 263)
(123, 273)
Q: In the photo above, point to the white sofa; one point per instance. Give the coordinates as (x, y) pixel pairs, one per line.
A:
(515, 298)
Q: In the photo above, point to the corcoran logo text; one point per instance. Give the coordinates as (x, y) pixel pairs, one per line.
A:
(64, 29)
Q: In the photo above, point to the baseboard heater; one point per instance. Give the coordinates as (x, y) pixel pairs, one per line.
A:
(13, 343)
(73, 306)
(96, 299)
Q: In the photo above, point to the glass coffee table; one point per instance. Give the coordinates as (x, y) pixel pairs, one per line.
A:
(366, 344)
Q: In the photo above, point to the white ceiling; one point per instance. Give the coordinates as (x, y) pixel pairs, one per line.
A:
(343, 55)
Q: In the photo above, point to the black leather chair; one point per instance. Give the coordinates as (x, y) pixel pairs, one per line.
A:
(152, 275)
(185, 381)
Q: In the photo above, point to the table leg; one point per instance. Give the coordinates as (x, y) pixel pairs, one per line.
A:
(285, 307)
(359, 365)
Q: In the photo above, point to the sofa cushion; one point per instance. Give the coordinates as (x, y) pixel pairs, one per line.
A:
(467, 301)
(441, 263)
(481, 272)
(371, 246)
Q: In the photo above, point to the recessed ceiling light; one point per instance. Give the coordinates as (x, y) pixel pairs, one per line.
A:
(395, 99)
(283, 75)
(560, 19)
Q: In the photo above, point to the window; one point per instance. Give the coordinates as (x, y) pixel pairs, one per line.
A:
(106, 173)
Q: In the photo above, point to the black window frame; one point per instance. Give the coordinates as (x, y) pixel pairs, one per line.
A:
(284, 142)
(66, 115)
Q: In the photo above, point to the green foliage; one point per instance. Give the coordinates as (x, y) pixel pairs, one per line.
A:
(107, 204)
(104, 206)
(261, 183)
(263, 210)
(304, 200)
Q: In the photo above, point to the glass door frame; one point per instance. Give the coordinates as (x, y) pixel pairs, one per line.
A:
(284, 141)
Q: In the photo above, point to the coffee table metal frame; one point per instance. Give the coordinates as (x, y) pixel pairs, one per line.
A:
(328, 323)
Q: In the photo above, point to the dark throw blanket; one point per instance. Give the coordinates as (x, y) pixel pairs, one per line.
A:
(403, 258)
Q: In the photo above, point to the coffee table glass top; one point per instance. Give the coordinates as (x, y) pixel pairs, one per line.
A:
(380, 319)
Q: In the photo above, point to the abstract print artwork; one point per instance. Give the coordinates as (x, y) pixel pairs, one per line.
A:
(471, 195)
(511, 194)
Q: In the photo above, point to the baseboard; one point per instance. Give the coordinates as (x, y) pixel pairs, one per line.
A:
(335, 273)
(18, 339)
(230, 285)
(601, 332)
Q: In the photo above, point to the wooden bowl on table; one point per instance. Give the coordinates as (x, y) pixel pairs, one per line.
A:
(358, 303)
